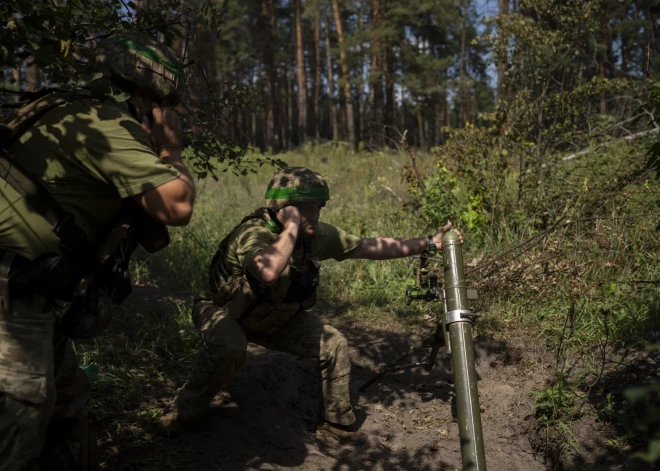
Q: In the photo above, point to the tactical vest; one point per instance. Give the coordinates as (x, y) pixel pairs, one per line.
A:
(259, 308)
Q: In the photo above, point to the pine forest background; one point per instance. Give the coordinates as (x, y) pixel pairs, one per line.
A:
(531, 124)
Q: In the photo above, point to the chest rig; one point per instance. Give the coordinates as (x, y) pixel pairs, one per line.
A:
(261, 308)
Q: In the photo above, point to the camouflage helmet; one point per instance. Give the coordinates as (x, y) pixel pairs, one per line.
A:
(138, 59)
(295, 184)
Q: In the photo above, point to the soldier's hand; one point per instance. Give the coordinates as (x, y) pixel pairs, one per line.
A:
(165, 129)
(289, 214)
(437, 238)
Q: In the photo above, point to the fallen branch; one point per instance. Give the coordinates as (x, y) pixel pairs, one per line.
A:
(531, 242)
(592, 149)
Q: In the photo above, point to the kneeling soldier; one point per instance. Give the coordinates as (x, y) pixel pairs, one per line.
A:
(263, 282)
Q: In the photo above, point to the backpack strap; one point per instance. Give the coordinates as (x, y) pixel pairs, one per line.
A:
(217, 269)
(73, 240)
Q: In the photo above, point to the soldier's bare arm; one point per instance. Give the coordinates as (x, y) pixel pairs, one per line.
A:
(172, 202)
(268, 264)
(386, 248)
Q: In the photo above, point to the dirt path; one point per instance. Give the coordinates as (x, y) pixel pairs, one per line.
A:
(265, 420)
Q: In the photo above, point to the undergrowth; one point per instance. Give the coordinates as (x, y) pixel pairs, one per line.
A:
(579, 272)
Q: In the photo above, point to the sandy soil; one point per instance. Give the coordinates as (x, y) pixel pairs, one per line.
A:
(266, 417)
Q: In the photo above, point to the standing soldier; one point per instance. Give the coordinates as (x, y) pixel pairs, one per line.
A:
(263, 280)
(73, 170)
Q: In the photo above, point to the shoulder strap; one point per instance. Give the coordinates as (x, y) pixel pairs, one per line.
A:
(73, 239)
(217, 268)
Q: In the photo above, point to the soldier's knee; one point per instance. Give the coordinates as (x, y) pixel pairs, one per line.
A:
(334, 342)
(226, 351)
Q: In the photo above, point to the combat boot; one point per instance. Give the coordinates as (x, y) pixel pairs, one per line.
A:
(169, 425)
(344, 434)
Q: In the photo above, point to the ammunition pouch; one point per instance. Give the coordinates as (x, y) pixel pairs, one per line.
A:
(50, 275)
(152, 235)
(304, 282)
(88, 317)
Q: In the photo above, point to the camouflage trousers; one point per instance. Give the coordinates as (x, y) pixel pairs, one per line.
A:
(223, 351)
(40, 381)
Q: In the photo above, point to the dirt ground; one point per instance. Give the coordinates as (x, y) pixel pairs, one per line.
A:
(266, 417)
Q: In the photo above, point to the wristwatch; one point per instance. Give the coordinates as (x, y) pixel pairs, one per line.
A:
(432, 247)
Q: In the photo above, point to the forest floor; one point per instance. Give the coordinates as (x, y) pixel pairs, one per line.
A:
(266, 417)
(558, 349)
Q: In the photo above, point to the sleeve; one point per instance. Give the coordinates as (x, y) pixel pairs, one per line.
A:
(337, 244)
(119, 152)
(252, 238)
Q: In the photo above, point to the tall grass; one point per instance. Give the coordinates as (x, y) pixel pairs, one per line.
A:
(577, 291)
(367, 198)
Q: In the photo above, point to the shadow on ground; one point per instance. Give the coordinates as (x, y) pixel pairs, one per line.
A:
(266, 417)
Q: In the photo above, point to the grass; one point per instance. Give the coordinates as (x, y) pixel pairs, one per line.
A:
(575, 290)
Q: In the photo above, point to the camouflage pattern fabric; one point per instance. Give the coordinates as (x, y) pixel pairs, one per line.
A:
(301, 178)
(40, 380)
(141, 60)
(223, 351)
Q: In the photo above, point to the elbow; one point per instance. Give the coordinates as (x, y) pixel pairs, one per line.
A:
(269, 277)
(179, 215)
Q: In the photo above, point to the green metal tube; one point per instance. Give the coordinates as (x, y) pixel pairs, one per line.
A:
(465, 376)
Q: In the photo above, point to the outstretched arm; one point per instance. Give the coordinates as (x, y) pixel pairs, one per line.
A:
(386, 248)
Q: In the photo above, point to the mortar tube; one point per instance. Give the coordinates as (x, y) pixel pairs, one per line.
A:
(465, 376)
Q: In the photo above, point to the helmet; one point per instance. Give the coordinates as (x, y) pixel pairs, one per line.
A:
(294, 184)
(137, 58)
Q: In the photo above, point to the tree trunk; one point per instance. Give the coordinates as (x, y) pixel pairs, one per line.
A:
(331, 84)
(376, 79)
(437, 121)
(502, 66)
(272, 85)
(343, 60)
(316, 87)
(389, 87)
(289, 107)
(628, 46)
(360, 134)
(603, 59)
(302, 80)
(463, 113)
(420, 127)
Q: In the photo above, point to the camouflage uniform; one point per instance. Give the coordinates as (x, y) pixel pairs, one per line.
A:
(44, 395)
(238, 310)
(223, 351)
(39, 379)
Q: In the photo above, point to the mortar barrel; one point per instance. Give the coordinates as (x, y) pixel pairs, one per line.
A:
(465, 376)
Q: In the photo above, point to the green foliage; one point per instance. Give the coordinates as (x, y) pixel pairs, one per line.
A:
(436, 204)
(555, 404)
(59, 36)
(652, 106)
(59, 39)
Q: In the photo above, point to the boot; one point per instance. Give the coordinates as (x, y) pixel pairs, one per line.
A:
(345, 434)
(169, 425)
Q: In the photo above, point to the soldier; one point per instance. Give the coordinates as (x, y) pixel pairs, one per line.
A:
(263, 281)
(71, 167)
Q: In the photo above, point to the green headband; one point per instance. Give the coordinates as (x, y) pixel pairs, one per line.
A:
(304, 193)
(145, 51)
